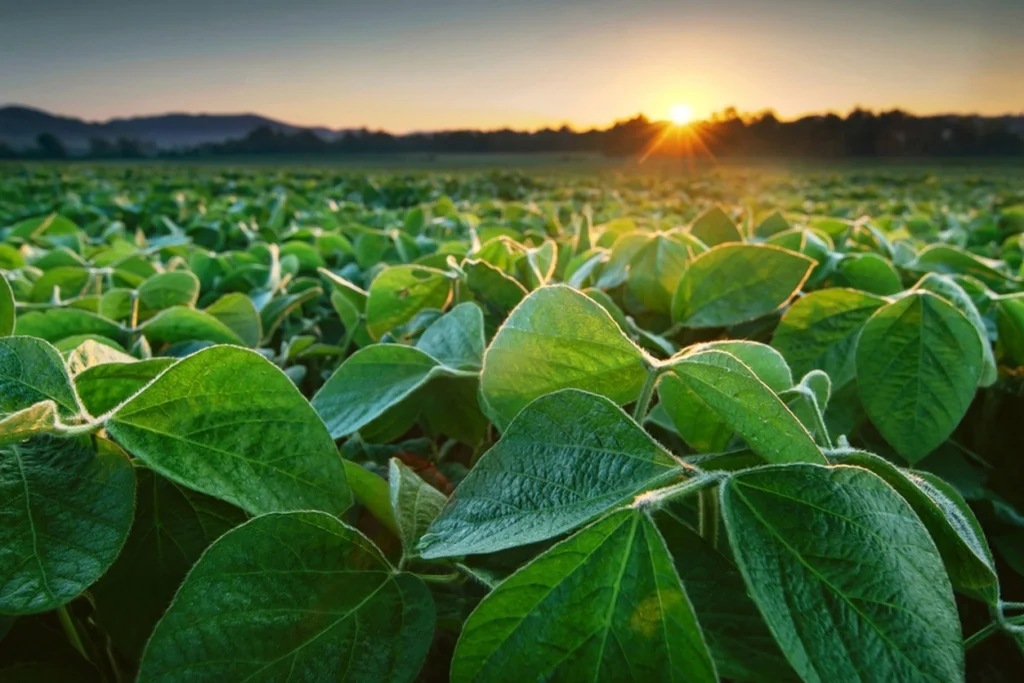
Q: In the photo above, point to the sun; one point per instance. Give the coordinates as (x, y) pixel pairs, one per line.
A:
(681, 114)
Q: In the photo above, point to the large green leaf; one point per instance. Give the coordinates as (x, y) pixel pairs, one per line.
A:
(844, 573)
(371, 381)
(566, 458)
(102, 387)
(746, 404)
(228, 423)
(181, 324)
(738, 638)
(32, 371)
(66, 511)
(292, 596)
(558, 338)
(456, 339)
(820, 332)
(733, 283)
(951, 523)
(238, 313)
(164, 290)
(60, 323)
(604, 605)
(919, 360)
(172, 528)
(400, 292)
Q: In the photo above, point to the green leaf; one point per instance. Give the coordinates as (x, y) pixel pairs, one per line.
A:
(820, 332)
(7, 312)
(844, 573)
(456, 339)
(172, 528)
(492, 285)
(164, 290)
(696, 421)
(400, 292)
(61, 284)
(869, 273)
(947, 288)
(714, 227)
(734, 283)
(654, 271)
(950, 522)
(101, 388)
(228, 423)
(747, 405)
(23, 424)
(66, 511)
(414, 503)
(32, 371)
(606, 604)
(373, 492)
(59, 323)
(451, 407)
(772, 224)
(919, 360)
(567, 458)
(1010, 324)
(238, 313)
(371, 381)
(296, 596)
(740, 642)
(182, 324)
(558, 338)
(278, 309)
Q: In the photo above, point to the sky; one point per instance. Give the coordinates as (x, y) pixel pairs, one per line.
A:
(405, 65)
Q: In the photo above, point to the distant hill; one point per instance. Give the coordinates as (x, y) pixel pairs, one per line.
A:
(19, 127)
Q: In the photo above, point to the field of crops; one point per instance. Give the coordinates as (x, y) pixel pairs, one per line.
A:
(314, 425)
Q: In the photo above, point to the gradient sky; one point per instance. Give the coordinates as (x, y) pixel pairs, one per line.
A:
(432, 64)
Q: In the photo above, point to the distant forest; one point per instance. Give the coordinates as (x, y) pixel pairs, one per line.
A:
(860, 134)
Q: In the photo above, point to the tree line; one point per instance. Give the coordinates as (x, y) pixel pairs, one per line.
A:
(860, 134)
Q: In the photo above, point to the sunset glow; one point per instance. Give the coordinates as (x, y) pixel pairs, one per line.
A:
(681, 114)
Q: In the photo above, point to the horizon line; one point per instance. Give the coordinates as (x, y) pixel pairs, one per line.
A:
(565, 124)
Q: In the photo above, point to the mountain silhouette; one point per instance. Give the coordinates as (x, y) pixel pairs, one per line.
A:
(20, 126)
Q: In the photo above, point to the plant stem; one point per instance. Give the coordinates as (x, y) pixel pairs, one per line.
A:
(440, 578)
(707, 502)
(71, 631)
(644, 402)
(820, 424)
(982, 635)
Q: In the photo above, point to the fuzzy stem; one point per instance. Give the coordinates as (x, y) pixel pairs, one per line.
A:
(644, 402)
(707, 502)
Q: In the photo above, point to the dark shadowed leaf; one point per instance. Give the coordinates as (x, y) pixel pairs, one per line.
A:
(806, 537)
(66, 511)
(293, 596)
